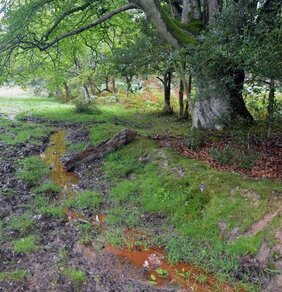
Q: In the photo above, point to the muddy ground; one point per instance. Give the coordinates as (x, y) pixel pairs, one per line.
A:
(104, 271)
(58, 239)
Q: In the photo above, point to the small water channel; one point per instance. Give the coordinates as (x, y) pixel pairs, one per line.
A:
(157, 270)
(52, 155)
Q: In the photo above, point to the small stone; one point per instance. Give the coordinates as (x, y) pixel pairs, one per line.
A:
(203, 187)
(37, 217)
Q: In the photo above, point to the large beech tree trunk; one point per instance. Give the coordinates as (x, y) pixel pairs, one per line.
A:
(217, 104)
(120, 139)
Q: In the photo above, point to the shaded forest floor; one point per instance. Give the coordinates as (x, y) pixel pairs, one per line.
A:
(83, 233)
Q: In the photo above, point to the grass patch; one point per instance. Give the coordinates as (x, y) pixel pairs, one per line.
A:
(44, 206)
(84, 200)
(25, 245)
(32, 170)
(50, 188)
(16, 276)
(103, 132)
(75, 276)
(22, 224)
(78, 147)
(19, 132)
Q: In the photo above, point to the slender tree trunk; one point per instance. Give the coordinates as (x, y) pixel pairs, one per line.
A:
(86, 93)
(189, 90)
(114, 86)
(92, 87)
(67, 91)
(128, 83)
(167, 91)
(181, 100)
(270, 109)
(107, 84)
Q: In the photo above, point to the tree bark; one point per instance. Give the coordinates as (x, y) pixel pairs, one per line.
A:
(114, 86)
(237, 103)
(219, 104)
(86, 93)
(67, 91)
(167, 92)
(181, 100)
(128, 85)
(270, 109)
(89, 155)
(189, 91)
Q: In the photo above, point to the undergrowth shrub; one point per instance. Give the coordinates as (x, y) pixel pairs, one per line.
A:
(195, 139)
(83, 107)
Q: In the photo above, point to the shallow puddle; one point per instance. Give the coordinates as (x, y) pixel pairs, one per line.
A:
(159, 272)
(52, 155)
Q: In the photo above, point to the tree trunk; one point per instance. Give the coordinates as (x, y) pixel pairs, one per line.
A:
(167, 92)
(188, 98)
(89, 155)
(270, 109)
(107, 84)
(218, 104)
(128, 83)
(114, 86)
(238, 107)
(93, 88)
(181, 100)
(86, 93)
(67, 91)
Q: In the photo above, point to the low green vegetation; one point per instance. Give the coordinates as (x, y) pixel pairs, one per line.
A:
(32, 170)
(229, 156)
(75, 276)
(49, 187)
(84, 200)
(25, 244)
(17, 275)
(159, 181)
(20, 132)
(22, 224)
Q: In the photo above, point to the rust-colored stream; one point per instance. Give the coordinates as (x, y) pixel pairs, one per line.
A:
(158, 271)
(153, 260)
(52, 155)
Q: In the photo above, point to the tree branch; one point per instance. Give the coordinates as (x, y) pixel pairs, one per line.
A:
(62, 17)
(102, 19)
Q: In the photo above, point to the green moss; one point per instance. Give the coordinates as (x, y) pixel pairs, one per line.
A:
(177, 29)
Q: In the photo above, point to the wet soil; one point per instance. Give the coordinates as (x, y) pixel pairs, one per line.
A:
(108, 268)
(57, 239)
